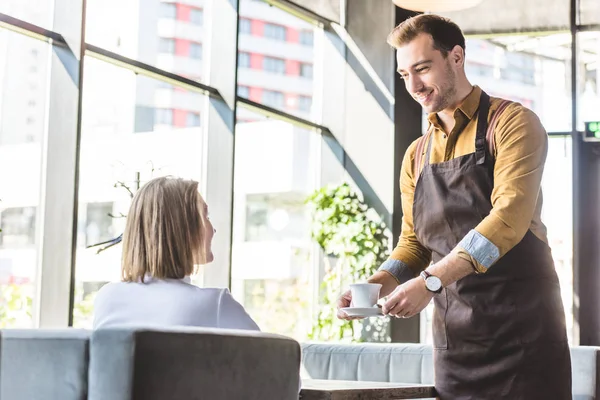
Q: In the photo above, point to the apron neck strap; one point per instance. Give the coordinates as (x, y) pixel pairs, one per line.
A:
(482, 125)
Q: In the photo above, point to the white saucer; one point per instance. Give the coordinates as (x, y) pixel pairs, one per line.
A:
(362, 311)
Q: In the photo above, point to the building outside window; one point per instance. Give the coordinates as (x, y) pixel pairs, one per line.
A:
(168, 10)
(163, 116)
(307, 38)
(243, 59)
(273, 98)
(304, 103)
(192, 119)
(196, 50)
(276, 65)
(166, 45)
(276, 32)
(243, 91)
(197, 16)
(245, 25)
(306, 70)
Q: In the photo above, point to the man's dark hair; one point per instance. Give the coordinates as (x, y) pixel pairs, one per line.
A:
(445, 33)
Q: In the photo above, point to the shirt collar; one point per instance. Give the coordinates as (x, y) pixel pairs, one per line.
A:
(468, 107)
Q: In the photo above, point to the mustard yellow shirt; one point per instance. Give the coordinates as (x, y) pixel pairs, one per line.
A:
(520, 154)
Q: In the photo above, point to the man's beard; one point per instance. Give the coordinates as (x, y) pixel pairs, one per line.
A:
(447, 92)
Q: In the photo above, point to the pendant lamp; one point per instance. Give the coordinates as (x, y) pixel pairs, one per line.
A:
(436, 6)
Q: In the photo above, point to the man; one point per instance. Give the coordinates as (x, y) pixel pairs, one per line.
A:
(472, 205)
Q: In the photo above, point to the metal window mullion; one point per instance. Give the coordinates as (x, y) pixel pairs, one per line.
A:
(219, 125)
(57, 216)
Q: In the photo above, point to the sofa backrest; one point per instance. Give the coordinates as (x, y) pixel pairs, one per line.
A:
(413, 363)
(192, 363)
(44, 364)
(406, 363)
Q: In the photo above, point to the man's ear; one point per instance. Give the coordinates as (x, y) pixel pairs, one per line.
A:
(457, 55)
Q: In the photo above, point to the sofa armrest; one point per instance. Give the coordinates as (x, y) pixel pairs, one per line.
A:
(41, 364)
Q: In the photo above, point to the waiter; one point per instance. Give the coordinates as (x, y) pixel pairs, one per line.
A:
(471, 203)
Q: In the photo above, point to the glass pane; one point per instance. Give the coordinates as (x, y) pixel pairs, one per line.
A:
(588, 107)
(274, 260)
(162, 33)
(533, 70)
(589, 12)
(37, 12)
(276, 59)
(23, 87)
(557, 215)
(133, 129)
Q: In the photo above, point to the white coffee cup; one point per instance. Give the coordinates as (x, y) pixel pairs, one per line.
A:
(365, 295)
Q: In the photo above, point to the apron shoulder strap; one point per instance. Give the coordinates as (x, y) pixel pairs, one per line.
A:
(420, 152)
(490, 137)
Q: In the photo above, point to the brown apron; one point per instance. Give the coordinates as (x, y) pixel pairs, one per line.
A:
(498, 335)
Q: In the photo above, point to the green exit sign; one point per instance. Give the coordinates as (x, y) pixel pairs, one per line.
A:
(592, 131)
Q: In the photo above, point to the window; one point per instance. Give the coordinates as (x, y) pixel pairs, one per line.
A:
(163, 116)
(21, 149)
(166, 45)
(306, 70)
(545, 60)
(98, 221)
(18, 227)
(243, 59)
(276, 65)
(197, 16)
(276, 32)
(196, 50)
(132, 29)
(168, 10)
(304, 103)
(273, 99)
(192, 119)
(243, 91)
(274, 261)
(245, 25)
(306, 38)
(20, 172)
(115, 158)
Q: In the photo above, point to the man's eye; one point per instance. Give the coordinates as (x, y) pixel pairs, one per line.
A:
(403, 76)
(422, 69)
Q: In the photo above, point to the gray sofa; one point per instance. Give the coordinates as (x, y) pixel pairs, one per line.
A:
(147, 364)
(413, 363)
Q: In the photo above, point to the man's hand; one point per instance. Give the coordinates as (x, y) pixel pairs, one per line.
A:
(344, 301)
(408, 299)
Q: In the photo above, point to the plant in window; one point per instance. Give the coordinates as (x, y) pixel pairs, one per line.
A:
(355, 240)
(15, 305)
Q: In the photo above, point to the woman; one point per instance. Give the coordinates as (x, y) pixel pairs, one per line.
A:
(167, 234)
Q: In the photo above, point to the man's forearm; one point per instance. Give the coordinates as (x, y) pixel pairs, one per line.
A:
(451, 268)
(387, 281)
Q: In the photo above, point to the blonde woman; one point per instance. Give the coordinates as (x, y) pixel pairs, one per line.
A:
(167, 233)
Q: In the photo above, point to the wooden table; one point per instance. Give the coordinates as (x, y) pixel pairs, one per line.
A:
(316, 389)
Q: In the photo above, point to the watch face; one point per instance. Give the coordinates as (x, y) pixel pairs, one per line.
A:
(433, 283)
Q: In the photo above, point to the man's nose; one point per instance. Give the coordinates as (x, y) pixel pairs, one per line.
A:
(414, 84)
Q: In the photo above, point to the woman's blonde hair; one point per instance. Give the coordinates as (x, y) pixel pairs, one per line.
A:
(164, 233)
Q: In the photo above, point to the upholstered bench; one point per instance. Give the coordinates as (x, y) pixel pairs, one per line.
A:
(413, 363)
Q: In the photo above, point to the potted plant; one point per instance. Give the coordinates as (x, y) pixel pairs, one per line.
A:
(355, 242)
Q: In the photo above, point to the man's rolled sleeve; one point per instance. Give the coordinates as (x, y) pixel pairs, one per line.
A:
(482, 252)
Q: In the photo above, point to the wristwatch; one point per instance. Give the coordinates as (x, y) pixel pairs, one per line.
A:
(432, 283)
